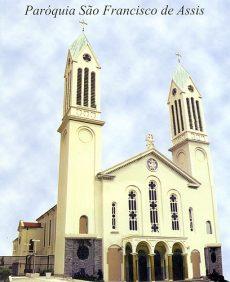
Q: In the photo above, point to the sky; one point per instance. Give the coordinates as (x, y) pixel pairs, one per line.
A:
(137, 55)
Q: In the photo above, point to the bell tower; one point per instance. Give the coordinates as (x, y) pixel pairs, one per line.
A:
(186, 119)
(190, 150)
(78, 212)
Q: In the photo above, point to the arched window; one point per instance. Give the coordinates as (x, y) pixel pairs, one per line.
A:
(194, 113)
(191, 220)
(79, 86)
(132, 211)
(70, 88)
(189, 113)
(177, 118)
(174, 212)
(181, 116)
(86, 87)
(31, 245)
(208, 227)
(173, 117)
(83, 225)
(93, 93)
(199, 117)
(153, 206)
(114, 216)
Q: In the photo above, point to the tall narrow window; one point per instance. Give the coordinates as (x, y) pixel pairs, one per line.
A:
(114, 215)
(189, 113)
(44, 235)
(194, 113)
(181, 116)
(50, 232)
(70, 88)
(86, 87)
(153, 206)
(199, 117)
(79, 86)
(68, 91)
(174, 212)
(132, 211)
(177, 118)
(208, 227)
(173, 116)
(191, 220)
(93, 93)
(66, 94)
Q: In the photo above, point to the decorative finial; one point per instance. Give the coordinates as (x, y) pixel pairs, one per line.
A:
(83, 24)
(179, 56)
(149, 141)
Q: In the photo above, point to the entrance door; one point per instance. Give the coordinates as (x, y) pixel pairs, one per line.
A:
(177, 265)
(114, 263)
(195, 259)
(157, 265)
(143, 266)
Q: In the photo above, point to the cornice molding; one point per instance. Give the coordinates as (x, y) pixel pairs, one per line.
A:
(74, 118)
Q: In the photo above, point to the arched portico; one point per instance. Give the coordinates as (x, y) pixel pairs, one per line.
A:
(155, 261)
(179, 262)
(160, 261)
(143, 262)
(128, 263)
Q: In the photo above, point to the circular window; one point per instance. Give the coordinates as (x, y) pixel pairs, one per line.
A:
(190, 88)
(83, 252)
(152, 164)
(87, 57)
(174, 91)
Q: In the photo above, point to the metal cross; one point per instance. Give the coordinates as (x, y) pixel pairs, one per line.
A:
(83, 24)
(179, 56)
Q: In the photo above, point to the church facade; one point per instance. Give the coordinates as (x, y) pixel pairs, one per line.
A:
(145, 219)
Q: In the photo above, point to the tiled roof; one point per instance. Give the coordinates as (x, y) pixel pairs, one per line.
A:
(181, 77)
(31, 224)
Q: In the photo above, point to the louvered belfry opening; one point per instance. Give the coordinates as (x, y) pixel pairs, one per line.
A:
(93, 90)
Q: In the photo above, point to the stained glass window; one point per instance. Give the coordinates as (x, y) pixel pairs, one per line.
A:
(174, 212)
(132, 211)
(153, 206)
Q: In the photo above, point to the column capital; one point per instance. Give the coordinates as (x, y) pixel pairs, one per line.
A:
(134, 254)
(170, 254)
(152, 255)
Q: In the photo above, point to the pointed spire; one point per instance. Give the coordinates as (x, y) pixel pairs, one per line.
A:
(78, 44)
(181, 77)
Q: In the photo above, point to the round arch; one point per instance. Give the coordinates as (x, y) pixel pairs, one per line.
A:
(160, 260)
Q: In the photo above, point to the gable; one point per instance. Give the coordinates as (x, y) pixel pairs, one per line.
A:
(138, 164)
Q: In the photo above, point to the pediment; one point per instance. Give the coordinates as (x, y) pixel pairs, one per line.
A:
(110, 173)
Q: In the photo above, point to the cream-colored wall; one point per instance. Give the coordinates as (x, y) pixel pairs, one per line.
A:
(24, 237)
(20, 245)
(80, 160)
(136, 177)
(47, 246)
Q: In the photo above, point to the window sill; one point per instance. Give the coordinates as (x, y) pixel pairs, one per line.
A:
(114, 231)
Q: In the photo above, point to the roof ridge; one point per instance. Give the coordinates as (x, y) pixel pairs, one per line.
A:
(183, 173)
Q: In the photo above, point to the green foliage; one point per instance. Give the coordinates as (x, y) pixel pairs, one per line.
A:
(4, 273)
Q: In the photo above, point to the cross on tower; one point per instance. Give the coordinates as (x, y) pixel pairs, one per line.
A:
(83, 24)
(179, 56)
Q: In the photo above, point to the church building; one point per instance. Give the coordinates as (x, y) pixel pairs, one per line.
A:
(147, 218)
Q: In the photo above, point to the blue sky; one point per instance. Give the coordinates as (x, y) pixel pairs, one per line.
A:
(137, 55)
